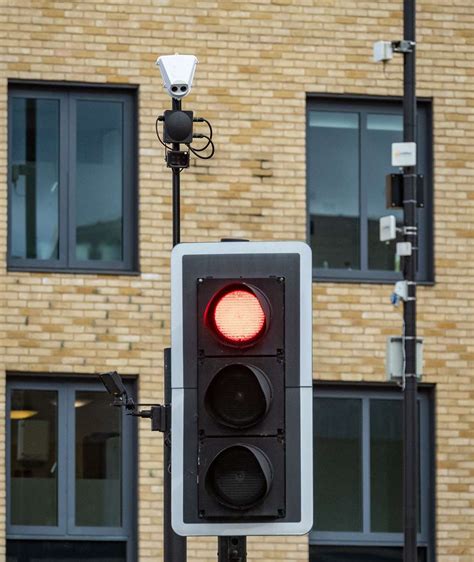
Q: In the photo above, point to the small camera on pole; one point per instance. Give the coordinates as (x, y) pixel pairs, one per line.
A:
(177, 72)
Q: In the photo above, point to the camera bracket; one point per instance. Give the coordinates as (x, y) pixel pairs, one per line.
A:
(177, 159)
(404, 46)
(159, 414)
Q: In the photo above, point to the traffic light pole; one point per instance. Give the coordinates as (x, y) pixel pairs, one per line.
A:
(176, 189)
(232, 549)
(174, 545)
(410, 414)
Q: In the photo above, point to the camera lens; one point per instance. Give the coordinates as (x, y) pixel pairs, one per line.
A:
(183, 88)
(174, 88)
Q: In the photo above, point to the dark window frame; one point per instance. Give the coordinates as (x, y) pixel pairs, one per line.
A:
(66, 528)
(67, 95)
(366, 392)
(370, 104)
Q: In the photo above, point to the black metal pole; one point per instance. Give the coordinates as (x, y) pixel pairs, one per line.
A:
(174, 546)
(410, 413)
(176, 190)
(232, 549)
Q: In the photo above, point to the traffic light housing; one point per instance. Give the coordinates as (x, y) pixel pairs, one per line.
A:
(241, 388)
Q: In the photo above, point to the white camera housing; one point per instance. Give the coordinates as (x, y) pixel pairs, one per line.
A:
(177, 72)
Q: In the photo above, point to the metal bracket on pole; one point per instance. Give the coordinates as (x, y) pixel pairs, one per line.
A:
(232, 549)
(403, 46)
(160, 417)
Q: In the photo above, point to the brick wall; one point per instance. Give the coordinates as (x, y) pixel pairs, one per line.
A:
(258, 60)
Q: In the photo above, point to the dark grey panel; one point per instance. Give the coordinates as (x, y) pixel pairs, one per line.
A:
(292, 459)
(265, 269)
(190, 451)
(273, 291)
(234, 266)
(293, 455)
(273, 507)
(273, 422)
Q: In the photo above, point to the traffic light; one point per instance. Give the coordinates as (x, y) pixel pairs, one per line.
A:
(241, 388)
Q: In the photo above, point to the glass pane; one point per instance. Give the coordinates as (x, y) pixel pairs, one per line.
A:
(382, 131)
(34, 178)
(333, 167)
(99, 182)
(98, 461)
(386, 461)
(338, 464)
(360, 554)
(33, 458)
(65, 551)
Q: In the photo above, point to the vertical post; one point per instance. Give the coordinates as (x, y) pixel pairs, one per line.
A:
(232, 549)
(176, 190)
(410, 412)
(174, 545)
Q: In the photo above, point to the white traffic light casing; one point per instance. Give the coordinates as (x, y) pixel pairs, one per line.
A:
(177, 72)
(241, 389)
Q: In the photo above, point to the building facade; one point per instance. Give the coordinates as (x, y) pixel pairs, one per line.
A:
(303, 121)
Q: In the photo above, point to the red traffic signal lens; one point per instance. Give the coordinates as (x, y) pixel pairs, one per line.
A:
(238, 314)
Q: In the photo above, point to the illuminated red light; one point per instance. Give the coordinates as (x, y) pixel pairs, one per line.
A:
(238, 316)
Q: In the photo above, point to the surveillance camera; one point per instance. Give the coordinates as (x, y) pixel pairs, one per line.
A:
(115, 387)
(177, 72)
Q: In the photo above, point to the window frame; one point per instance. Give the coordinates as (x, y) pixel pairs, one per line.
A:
(67, 96)
(364, 105)
(66, 528)
(365, 393)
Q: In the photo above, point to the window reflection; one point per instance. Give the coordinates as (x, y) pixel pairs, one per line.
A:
(98, 460)
(386, 456)
(334, 189)
(34, 178)
(382, 131)
(99, 180)
(33, 457)
(338, 464)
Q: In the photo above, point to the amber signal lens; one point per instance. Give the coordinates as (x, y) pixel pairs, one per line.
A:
(239, 396)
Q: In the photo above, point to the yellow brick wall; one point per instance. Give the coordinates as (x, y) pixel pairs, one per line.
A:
(258, 60)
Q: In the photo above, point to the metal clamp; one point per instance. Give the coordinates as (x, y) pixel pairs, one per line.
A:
(403, 46)
(160, 416)
(232, 549)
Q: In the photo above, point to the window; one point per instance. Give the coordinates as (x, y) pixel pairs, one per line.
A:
(348, 157)
(71, 176)
(358, 486)
(70, 476)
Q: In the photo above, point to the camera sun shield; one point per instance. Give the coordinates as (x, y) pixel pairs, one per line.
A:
(177, 72)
